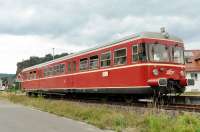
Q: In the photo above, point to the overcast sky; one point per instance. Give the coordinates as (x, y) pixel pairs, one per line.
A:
(34, 27)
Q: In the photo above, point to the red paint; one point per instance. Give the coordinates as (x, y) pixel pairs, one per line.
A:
(130, 76)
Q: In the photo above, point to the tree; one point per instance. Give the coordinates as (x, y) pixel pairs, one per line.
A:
(34, 60)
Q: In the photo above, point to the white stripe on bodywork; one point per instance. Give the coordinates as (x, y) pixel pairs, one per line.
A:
(109, 69)
(88, 88)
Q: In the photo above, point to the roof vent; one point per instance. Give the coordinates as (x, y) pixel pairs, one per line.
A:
(164, 33)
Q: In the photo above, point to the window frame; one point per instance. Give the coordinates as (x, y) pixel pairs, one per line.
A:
(106, 59)
(123, 56)
(54, 70)
(181, 57)
(69, 68)
(74, 64)
(45, 71)
(34, 74)
(87, 64)
(30, 75)
(58, 69)
(132, 53)
(50, 70)
(194, 76)
(94, 59)
(64, 68)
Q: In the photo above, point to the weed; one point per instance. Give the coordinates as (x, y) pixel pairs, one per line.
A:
(113, 118)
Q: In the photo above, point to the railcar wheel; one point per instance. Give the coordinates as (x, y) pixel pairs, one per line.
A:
(128, 100)
(180, 90)
(29, 94)
(104, 99)
(160, 97)
(161, 101)
(35, 94)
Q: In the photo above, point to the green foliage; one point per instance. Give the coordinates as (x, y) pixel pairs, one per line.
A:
(155, 123)
(34, 60)
(15, 88)
(4, 75)
(115, 118)
(120, 122)
(188, 123)
(181, 123)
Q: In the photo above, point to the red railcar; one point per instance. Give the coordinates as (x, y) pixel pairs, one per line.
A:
(144, 63)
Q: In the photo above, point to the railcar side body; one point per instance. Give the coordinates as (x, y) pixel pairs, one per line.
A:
(138, 64)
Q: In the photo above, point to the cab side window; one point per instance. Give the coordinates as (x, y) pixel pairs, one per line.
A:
(139, 52)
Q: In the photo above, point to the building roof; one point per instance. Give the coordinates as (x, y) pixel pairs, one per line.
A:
(192, 58)
(163, 36)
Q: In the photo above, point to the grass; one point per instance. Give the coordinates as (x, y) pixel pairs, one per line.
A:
(191, 93)
(182, 123)
(115, 118)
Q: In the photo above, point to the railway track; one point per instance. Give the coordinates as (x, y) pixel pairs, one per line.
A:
(182, 107)
(118, 101)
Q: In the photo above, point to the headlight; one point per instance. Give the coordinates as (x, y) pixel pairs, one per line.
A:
(155, 72)
(182, 73)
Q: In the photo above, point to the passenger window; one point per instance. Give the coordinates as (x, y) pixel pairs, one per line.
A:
(54, 70)
(30, 76)
(69, 67)
(57, 69)
(120, 57)
(34, 75)
(105, 59)
(45, 72)
(84, 64)
(50, 71)
(62, 68)
(135, 53)
(74, 66)
(94, 62)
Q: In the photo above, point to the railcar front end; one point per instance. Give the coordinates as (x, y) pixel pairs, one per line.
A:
(165, 66)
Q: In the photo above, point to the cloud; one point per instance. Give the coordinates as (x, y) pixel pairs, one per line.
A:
(66, 16)
(69, 25)
(18, 48)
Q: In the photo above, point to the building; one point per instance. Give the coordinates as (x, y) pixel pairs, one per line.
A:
(7, 82)
(1, 85)
(192, 61)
